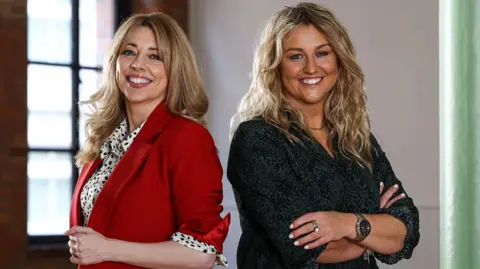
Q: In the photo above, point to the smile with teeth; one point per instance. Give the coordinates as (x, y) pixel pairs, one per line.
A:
(310, 81)
(138, 80)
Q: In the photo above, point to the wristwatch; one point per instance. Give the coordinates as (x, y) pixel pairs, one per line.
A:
(362, 227)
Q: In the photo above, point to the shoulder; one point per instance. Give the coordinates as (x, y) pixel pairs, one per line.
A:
(186, 131)
(376, 149)
(256, 128)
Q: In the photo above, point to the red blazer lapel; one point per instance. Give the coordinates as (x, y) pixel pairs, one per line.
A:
(75, 210)
(127, 168)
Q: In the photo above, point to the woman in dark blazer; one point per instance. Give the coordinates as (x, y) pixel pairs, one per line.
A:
(150, 191)
(303, 163)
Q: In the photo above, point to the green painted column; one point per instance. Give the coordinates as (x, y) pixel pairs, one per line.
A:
(459, 134)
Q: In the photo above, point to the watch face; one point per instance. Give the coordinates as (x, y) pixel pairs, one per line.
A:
(364, 227)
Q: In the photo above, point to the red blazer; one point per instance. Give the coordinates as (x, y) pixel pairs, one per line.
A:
(169, 180)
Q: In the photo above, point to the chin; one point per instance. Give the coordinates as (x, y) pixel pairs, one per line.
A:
(136, 99)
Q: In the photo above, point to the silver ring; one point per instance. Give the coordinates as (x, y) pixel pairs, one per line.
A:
(315, 225)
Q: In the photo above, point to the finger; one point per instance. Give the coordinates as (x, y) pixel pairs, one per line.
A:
(387, 195)
(302, 230)
(317, 243)
(79, 229)
(72, 243)
(398, 197)
(74, 251)
(302, 220)
(381, 187)
(307, 239)
(75, 238)
(75, 260)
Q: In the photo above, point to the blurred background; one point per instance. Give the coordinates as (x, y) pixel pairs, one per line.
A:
(50, 55)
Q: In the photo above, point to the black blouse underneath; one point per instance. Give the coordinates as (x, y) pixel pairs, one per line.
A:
(275, 182)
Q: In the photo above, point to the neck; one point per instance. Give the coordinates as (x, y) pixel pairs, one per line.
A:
(137, 113)
(313, 115)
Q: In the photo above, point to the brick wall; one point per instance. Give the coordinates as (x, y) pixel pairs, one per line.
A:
(13, 191)
(14, 251)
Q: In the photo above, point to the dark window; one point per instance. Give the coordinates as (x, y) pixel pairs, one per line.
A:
(67, 40)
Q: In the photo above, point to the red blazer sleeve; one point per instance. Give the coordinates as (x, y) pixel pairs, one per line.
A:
(196, 176)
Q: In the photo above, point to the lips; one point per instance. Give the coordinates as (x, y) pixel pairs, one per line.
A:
(311, 81)
(138, 81)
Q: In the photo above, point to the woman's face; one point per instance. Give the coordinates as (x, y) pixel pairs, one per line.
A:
(308, 67)
(141, 74)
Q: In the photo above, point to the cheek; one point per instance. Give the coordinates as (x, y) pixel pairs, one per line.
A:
(289, 72)
(120, 67)
(157, 70)
(330, 65)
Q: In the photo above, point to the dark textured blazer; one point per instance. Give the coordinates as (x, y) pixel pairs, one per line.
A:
(276, 181)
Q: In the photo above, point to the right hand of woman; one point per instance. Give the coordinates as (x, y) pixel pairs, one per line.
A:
(386, 200)
(305, 234)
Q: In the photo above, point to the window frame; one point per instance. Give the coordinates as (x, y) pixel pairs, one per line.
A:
(121, 9)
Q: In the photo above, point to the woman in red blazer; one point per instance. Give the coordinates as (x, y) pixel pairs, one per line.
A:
(150, 191)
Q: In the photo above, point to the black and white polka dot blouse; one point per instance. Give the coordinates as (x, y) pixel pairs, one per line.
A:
(111, 152)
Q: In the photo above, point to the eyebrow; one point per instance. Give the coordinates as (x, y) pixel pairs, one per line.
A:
(316, 48)
(135, 46)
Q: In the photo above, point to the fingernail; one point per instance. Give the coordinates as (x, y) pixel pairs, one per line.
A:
(295, 243)
(395, 186)
(306, 247)
(291, 226)
(381, 183)
(316, 229)
(403, 195)
(290, 236)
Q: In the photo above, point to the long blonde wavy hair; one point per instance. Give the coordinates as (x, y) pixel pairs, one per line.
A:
(346, 113)
(185, 91)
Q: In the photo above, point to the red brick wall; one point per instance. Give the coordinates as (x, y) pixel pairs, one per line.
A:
(14, 251)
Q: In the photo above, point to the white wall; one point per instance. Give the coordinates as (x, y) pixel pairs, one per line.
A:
(397, 46)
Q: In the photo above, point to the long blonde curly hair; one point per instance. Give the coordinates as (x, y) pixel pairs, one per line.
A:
(345, 108)
(185, 91)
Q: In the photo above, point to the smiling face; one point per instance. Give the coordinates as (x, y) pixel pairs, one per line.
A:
(308, 67)
(141, 74)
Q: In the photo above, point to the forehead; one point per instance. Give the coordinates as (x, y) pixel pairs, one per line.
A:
(305, 36)
(141, 35)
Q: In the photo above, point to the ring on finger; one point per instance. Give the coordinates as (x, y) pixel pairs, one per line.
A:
(315, 225)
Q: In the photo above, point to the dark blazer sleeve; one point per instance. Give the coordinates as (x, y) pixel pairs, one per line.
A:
(196, 188)
(260, 173)
(403, 209)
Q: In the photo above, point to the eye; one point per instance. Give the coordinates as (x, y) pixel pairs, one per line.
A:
(296, 57)
(155, 57)
(128, 52)
(321, 54)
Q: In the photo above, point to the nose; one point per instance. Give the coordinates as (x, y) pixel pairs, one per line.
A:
(138, 64)
(310, 66)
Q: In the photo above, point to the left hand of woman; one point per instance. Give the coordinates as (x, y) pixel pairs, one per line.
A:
(315, 229)
(86, 246)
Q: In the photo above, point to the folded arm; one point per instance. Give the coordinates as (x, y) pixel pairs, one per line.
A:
(340, 251)
(260, 173)
(395, 230)
(403, 215)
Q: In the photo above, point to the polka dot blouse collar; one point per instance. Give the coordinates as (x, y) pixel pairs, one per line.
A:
(119, 141)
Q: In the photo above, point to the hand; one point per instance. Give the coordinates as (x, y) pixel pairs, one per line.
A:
(86, 246)
(332, 226)
(385, 201)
